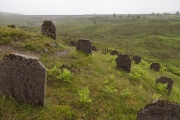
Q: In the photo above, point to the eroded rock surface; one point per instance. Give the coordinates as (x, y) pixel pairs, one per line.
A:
(123, 63)
(84, 45)
(159, 110)
(23, 78)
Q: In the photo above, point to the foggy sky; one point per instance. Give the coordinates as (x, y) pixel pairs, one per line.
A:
(80, 7)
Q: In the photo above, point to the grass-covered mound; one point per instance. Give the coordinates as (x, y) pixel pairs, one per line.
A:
(27, 41)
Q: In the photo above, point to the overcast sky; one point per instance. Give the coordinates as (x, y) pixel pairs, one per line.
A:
(79, 7)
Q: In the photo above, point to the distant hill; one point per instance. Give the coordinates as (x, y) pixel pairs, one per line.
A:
(7, 13)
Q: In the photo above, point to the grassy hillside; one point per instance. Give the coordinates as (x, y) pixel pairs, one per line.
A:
(90, 87)
(25, 40)
(157, 40)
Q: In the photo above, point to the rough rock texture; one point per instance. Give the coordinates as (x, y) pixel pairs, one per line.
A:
(165, 80)
(114, 52)
(159, 110)
(23, 78)
(11, 26)
(155, 66)
(48, 29)
(137, 59)
(84, 46)
(123, 63)
(94, 48)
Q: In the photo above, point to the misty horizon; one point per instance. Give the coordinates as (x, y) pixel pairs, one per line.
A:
(85, 7)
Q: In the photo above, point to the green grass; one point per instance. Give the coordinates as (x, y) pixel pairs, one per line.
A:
(91, 87)
(24, 40)
(152, 39)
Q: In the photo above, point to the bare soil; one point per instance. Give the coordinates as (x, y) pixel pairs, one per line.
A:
(5, 49)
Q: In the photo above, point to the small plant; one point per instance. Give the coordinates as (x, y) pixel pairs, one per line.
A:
(176, 91)
(145, 64)
(162, 88)
(54, 72)
(155, 96)
(125, 92)
(140, 87)
(174, 70)
(112, 77)
(65, 75)
(134, 76)
(139, 70)
(163, 68)
(110, 89)
(84, 95)
(106, 81)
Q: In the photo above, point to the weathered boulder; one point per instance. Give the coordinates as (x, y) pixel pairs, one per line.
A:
(23, 78)
(48, 29)
(137, 59)
(155, 66)
(84, 45)
(123, 63)
(159, 110)
(165, 80)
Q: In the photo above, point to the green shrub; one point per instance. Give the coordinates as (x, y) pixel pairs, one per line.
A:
(65, 75)
(161, 88)
(155, 96)
(137, 72)
(134, 76)
(112, 77)
(174, 70)
(162, 69)
(125, 92)
(84, 96)
(176, 91)
(110, 89)
(54, 72)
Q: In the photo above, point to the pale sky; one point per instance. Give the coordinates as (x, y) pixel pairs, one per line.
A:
(80, 7)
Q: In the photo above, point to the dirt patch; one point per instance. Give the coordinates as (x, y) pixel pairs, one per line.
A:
(4, 49)
(62, 53)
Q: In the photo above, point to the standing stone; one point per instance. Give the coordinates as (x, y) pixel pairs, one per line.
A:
(159, 110)
(165, 80)
(155, 66)
(48, 29)
(123, 63)
(94, 48)
(137, 59)
(11, 26)
(84, 46)
(23, 78)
